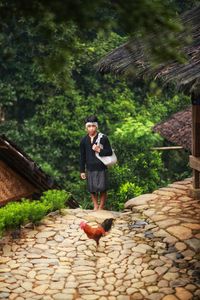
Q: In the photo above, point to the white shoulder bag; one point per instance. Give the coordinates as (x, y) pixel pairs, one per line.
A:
(107, 160)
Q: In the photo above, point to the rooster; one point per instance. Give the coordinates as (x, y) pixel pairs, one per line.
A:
(98, 232)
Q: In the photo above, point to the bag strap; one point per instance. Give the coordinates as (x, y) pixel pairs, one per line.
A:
(100, 135)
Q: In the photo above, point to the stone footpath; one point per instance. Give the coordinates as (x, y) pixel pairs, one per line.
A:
(152, 252)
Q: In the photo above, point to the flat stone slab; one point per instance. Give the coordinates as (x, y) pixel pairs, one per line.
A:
(140, 200)
(45, 234)
(192, 225)
(168, 222)
(180, 232)
(100, 215)
(194, 244)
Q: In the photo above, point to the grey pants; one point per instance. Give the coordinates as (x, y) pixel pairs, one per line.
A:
(97, 181)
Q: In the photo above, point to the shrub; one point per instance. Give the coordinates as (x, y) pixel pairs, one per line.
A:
(129, 190)
(55, 199)
(15, 213)
(125, 192)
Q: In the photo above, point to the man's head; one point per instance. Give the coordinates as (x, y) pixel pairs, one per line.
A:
(91, 124)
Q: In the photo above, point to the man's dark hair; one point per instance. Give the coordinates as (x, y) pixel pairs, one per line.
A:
(91, 118)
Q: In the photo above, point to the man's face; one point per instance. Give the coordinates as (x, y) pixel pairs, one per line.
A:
(91, 129)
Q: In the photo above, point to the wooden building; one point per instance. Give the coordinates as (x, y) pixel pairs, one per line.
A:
(20, 176)
(132, 59)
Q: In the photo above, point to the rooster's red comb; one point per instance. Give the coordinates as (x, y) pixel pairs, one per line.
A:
(82, 224)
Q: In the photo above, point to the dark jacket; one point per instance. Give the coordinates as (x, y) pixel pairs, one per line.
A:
(88, 158)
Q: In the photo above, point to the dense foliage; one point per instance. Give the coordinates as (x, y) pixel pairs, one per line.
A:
(44, 104)
(141, 17)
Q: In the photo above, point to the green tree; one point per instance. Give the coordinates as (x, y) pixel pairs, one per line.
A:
(45, 107)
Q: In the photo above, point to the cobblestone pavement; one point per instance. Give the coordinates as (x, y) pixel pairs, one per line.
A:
(152, 252)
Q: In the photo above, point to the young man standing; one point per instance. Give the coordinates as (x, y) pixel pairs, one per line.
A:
(97, 173)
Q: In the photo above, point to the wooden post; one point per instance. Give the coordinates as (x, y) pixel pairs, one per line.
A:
(195, 192)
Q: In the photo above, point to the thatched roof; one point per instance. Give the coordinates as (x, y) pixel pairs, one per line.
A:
(177, 129)
(26, 172)
(131, 58)
(14, 156)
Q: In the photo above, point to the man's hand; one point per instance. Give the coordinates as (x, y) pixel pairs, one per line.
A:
(96, 148)
(83, 176)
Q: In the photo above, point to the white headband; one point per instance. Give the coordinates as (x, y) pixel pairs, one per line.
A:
(91, 123)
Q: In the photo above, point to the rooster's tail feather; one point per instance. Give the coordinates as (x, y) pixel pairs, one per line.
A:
(107, 224)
